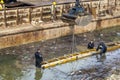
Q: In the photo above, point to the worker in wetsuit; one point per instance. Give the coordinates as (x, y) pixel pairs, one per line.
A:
(1, 4)
(102, 48)
(38, 59)
(90, 45)
(77, 3)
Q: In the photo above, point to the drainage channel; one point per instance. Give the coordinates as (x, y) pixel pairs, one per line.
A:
(89, 68)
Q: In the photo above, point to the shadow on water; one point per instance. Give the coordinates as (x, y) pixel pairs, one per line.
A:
(11, 68)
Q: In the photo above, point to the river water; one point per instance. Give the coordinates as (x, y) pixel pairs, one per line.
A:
(97, 68)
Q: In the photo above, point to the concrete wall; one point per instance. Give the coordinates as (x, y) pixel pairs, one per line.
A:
(57, 29)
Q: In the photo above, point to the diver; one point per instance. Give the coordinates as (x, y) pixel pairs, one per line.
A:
(38, 59)
(90, 45)
(102, 48)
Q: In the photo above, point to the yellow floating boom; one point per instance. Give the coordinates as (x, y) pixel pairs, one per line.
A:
(75, 56)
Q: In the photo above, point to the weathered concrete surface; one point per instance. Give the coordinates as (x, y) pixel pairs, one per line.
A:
(44, 31)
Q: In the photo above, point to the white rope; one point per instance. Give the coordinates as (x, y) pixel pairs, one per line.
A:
(73, 64)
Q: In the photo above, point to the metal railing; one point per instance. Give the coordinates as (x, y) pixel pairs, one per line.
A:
(17, 16)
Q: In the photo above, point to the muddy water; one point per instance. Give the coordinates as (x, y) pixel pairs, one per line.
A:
(12, 68)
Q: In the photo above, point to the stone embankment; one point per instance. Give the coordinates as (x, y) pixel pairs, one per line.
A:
(31, 24)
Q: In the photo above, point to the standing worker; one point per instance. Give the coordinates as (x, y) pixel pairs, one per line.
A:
(102, 48)
(1, 7)
(53, 11)
(1, 4)
(38, 59)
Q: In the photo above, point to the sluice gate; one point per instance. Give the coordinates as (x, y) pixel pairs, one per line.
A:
(76, 56)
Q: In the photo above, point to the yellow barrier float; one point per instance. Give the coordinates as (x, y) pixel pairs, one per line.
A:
(75, 56)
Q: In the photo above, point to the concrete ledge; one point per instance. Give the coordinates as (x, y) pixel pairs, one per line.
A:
(30, 28)
(44, 31)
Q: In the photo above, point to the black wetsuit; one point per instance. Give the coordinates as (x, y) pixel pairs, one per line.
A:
(90, 45)
(102, 47)
(39, 59)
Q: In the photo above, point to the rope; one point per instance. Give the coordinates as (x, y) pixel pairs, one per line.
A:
(73, 64)
(73, 39)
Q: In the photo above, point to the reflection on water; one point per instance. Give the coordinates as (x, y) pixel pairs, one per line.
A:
(38, 74)
(12, 69)
(101, 58)
(8, 68)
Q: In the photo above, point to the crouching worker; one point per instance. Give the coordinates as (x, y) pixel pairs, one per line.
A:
(38, 59)
(90, 45)
(102, 48)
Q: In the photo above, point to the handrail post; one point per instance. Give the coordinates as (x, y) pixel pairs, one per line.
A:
(29, 15)
(17, 20)
(5, 22)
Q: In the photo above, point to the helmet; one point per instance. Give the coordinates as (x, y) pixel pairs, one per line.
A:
(100, 46)
(1, 1)
(54, 3)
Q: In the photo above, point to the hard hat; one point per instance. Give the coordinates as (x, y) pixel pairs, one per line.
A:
(2, 1)
(100, 46)
(54, 3)
(91, 41)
